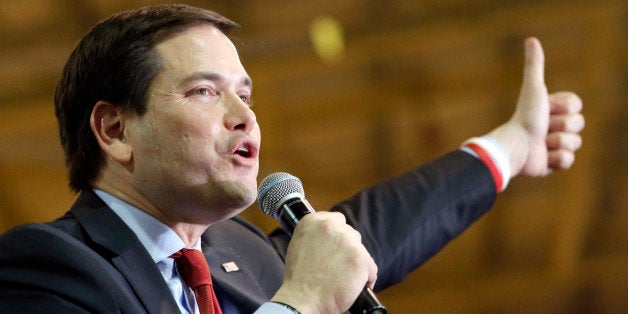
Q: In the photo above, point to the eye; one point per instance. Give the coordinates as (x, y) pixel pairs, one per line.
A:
(201, 91)
(246, 99)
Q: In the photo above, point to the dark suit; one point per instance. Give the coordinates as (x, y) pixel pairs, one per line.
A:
(89, 260)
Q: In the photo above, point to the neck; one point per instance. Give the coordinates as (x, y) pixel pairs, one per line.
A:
(190, 232)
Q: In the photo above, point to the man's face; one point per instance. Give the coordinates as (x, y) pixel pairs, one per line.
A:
(195, 151)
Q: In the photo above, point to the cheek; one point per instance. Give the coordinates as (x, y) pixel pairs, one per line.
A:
(257, 131)
(199, 139)
(186, 136)
(200, 120)
(192, 127)
(165, 140)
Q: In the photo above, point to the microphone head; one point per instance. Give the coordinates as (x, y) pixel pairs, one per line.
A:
(274, 188)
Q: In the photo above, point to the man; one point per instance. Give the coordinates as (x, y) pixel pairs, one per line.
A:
(161, 143)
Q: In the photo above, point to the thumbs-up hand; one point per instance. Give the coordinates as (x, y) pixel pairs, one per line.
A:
(543, 133)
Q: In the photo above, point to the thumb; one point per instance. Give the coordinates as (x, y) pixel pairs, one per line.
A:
(533, 74)
(533, 110)
(533, 105)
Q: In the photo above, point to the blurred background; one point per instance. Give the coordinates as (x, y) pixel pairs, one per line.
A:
(351, 92)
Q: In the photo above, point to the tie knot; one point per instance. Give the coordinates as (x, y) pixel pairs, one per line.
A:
(193, 267)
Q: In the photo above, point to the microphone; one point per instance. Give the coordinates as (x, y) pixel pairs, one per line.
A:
(281, 196)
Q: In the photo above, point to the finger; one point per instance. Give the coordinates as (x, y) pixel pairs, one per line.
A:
(326, 215)
(563, 140)
(372, 273)
(326, 223)
(352, 233)
(565, 103)
(560, 159)
(573, 123)
(533, 74)
(335, 216)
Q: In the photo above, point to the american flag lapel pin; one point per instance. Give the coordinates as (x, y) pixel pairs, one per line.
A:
(230, 267)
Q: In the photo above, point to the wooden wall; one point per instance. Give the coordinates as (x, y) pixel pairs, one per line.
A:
(416, 79)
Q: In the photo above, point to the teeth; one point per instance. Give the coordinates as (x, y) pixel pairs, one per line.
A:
(243, 151)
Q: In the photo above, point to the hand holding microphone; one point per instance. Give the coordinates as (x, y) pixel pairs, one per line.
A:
(327, 267)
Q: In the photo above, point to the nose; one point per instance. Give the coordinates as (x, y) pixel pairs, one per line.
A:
(239, 115)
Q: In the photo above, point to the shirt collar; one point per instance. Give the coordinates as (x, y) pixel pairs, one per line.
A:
(159, 240)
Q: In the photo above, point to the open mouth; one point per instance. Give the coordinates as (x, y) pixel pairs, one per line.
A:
(243, 151)
(245, 148)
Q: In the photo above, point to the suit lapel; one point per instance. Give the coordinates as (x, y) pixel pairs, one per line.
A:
(129, 256)
(240, 284)
(260, 268)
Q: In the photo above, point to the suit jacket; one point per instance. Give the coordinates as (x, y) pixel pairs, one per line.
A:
(90, 261)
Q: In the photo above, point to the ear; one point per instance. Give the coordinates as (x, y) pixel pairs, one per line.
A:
(107, 122)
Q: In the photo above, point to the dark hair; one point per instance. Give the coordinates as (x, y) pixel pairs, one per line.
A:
(115, 62)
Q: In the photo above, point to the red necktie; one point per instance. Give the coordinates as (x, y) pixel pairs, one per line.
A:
(195, 271)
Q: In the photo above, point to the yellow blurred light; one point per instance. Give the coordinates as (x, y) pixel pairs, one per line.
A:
(327, 38)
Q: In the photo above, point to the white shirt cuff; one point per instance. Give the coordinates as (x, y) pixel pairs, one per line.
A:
(273, 308)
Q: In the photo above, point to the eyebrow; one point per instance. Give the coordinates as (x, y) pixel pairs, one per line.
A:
(213, 76)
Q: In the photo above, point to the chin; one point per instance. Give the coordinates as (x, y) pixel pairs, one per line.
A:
(241, 196)
(233, 213)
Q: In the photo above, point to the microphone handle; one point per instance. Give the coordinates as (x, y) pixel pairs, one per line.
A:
(367, 303)
(290, 213)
